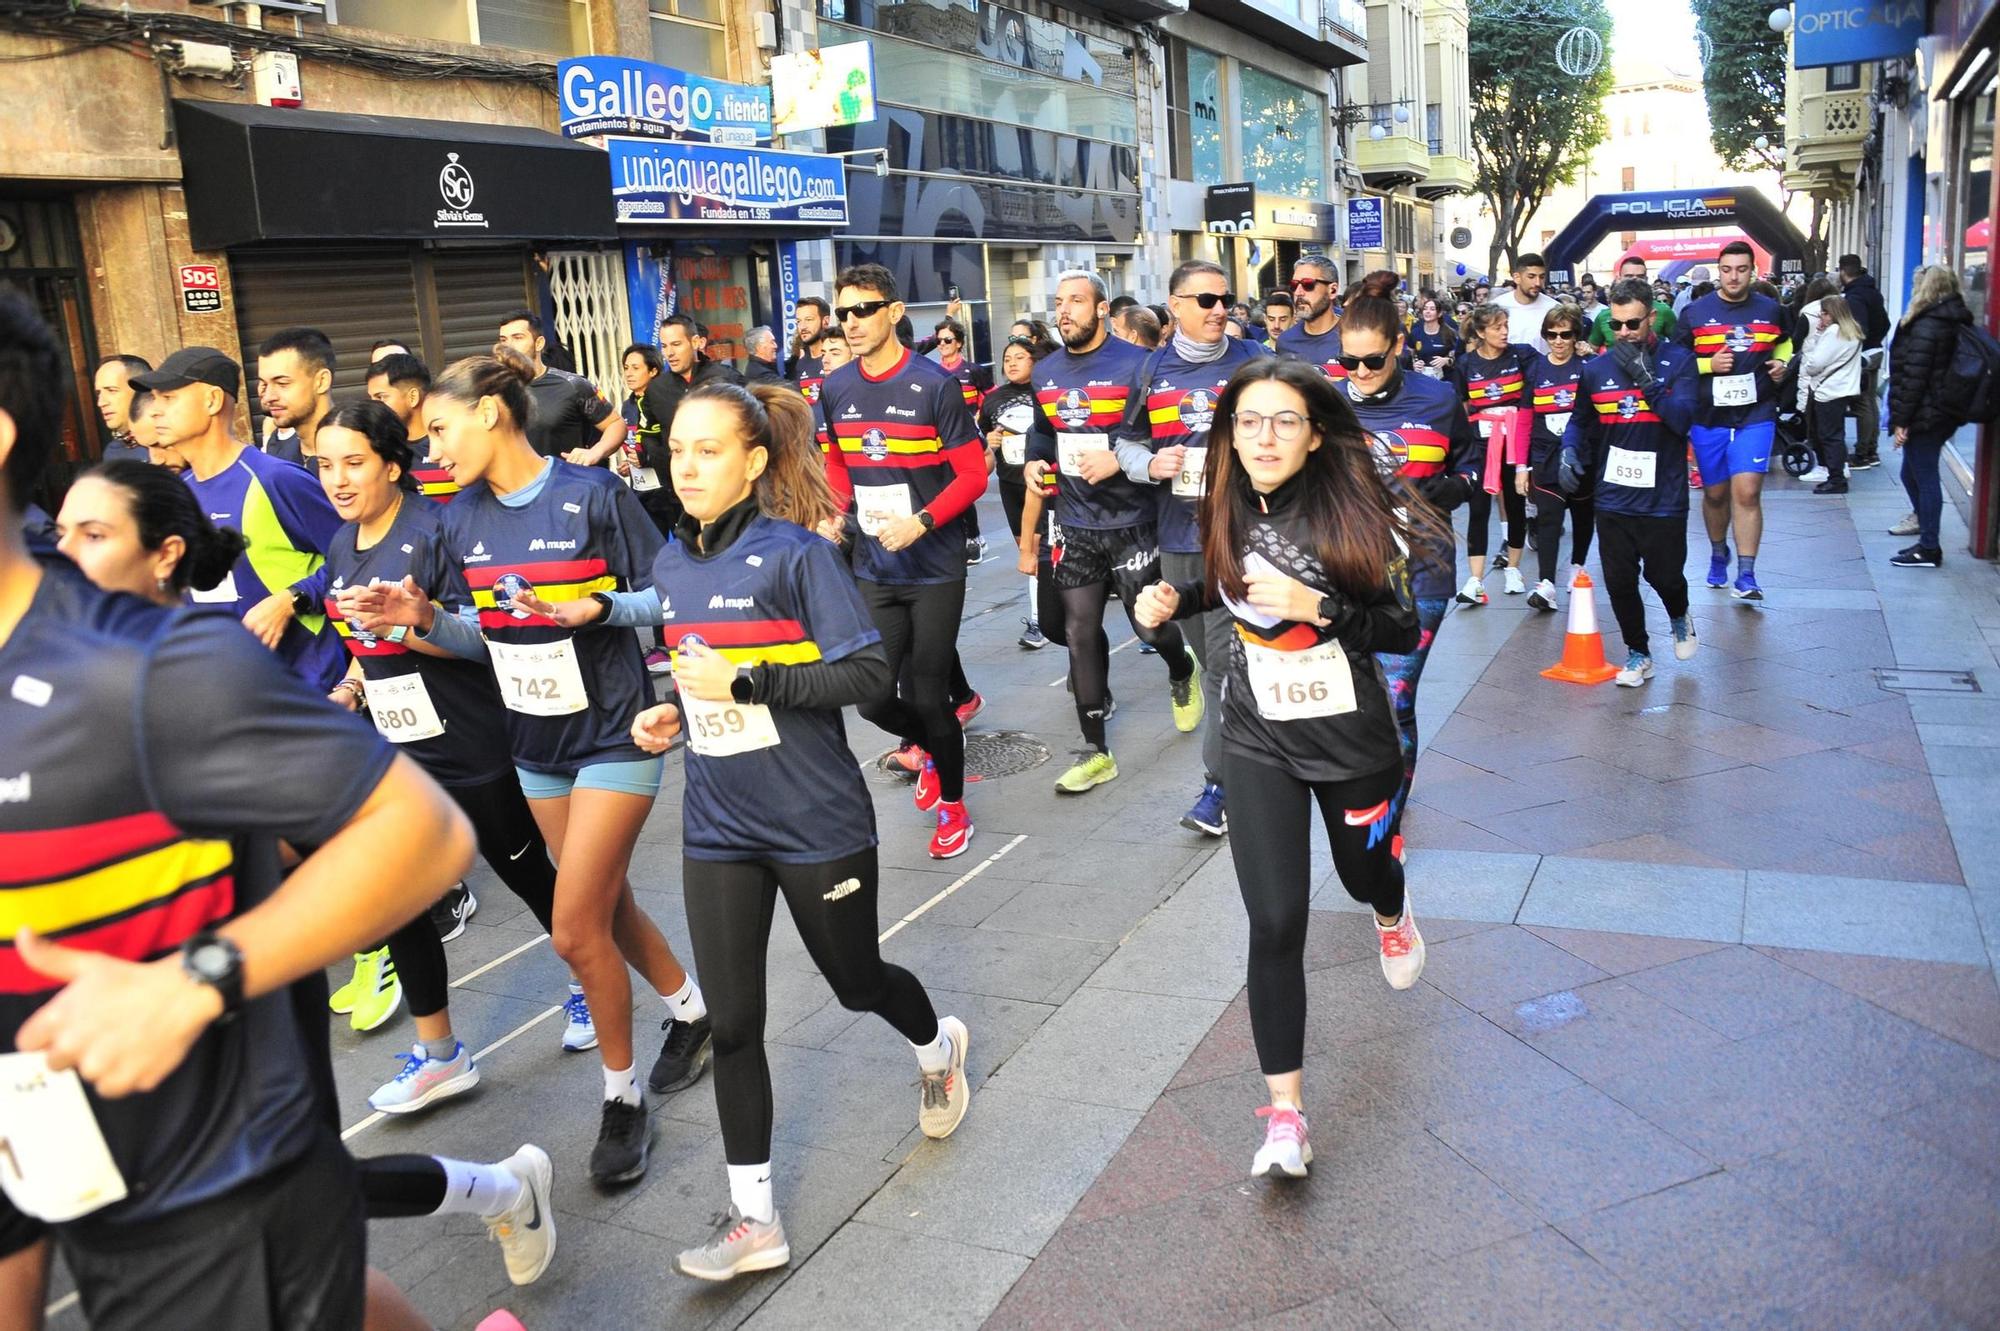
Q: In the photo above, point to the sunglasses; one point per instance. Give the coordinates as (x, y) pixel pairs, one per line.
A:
(1370, 363)
(1564, 334)
(1208, 300)
(1630, 323)
(867, 309)
(1308, 284)
(947, 341)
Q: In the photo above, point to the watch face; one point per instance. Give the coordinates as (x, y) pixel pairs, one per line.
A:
(210, 960)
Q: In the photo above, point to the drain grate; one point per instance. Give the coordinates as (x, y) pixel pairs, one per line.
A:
(989, 755)
(1926, 681)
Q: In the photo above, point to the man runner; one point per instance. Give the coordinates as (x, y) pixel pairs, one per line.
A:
(1315, 332)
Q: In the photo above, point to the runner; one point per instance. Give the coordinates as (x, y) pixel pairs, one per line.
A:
(813, 317)
(908, 457)
(526, 527)
(1528, 305)
(1303, 544)
(1007, 415)
(975, 381)
(1490, 373)
(1109, 522)
(1552, 397)
(1179, 386)
(1278, 313)
(1630, 444)
(133, 527)
(571, 419)
(399, 381)
(1425, 442)
(1315, 332)
(295, 388)
(1741, 345)
(785, 642)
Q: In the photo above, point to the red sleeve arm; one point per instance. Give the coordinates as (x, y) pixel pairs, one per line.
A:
(837, 477)
(968, 482)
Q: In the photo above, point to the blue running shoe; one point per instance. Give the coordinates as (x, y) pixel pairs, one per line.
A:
(1718, 570)
(1208, 816)
(1746, 588)
(1638, 669)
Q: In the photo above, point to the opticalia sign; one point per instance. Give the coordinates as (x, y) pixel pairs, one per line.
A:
(1831, 32)
(1679, 209)
(612, 95)
(693, 182)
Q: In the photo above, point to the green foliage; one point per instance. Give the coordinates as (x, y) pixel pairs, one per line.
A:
(1533, 126)
(1744, 81)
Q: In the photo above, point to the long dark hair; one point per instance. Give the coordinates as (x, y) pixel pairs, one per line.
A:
(1355, 526)
(775, 418)
(385, 434)
(162, 506)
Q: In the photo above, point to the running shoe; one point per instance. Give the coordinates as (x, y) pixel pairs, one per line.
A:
(1864, 461)
(1638, 669)
(1514, 584)
(384, 994)
(526, 1231)
(1500, 561)
(1685, 642)
(579, 1027)
(1746, 588)
(658, 662)
(1907, 525)
(927, 787)
(343, 999)
(1094, 769)
(1917, 557)
(1208, 816)
(1402, 949)
(682, 1057)
(1472, 593)
(1032, 640)
(975, 550)
(1148, 649)
(450, 912)
(1830, 488)
(941, 1108)
(909, 759)
(954, 831)
(739, 1247)
(1543, 597)
(623, 1136)
(1187, 697)
(1285, 1150)
(968, 709)
(424, 1080)
(1718, 569)
(1110, 706)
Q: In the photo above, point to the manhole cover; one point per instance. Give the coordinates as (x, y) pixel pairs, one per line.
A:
(989, 755)
(1927, 681)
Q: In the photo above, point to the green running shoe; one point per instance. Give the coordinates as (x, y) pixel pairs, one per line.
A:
(1187, 698)
(377, 1002)
(342, 1000)
(1095, 769)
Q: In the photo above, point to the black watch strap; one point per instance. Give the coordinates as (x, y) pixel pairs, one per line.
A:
(928, 518)
(741, 688)
(211, 959)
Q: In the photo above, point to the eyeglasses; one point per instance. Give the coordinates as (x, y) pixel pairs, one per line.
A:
(1288, 427)
(1309, 284)
(1370, 363)
(867, 309)
(1637, 323)
(1561, 334)
(947, 341)
(1208, 300)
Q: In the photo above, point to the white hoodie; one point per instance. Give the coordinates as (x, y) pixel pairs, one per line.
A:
(1830, 363)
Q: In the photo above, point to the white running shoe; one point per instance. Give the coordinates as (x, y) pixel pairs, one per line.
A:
(1473, 592)
(526, 1231)
(742, 1245)
(1402, 948)
(1515, 584)
(945, 1095)
(1685, 641)
(1285, 1150)
(579, 1027)
(1638, 669)
(424, 1081)
(1543, 597)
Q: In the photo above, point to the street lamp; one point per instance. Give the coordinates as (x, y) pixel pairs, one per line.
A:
(1781, 20)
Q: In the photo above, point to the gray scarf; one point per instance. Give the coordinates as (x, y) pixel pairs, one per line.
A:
(1198, 353)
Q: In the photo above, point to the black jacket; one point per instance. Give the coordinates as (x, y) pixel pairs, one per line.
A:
(1865, 299)
(664, 394)
(758, 372)
(1919, 356)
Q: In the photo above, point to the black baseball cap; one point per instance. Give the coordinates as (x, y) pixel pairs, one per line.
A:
(193, 365)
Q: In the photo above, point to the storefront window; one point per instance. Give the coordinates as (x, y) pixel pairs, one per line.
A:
(997, 32)
(1978, 195)
(687, 34)
(1282, 146)
(553, 27)
(1194, 101)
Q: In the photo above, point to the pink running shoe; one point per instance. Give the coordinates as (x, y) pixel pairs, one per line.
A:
(1285, 1150)
(972, 707)
(928, 788)
(909, 759)
(1402, 948)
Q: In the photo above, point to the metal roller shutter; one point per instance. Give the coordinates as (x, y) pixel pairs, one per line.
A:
(475, 288)
(354, 294)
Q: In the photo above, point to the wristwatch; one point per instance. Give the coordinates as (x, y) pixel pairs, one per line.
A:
(302, 604)
(740, 688)
(928, 518)
(211, 959)
(1329, 608)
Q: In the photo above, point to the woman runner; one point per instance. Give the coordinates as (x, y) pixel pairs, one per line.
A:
(1004, 417)
(1304, 545)
(1544, 415)
(1489, 374)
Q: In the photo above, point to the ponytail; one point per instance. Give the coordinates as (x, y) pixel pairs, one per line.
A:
(776, 418)
(504, 376)
(163, 506)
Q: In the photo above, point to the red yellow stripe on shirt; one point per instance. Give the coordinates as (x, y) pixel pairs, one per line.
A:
(1105, 412)
(898, 438)
(1297, 638)
(359, 644)
(434, 483)
(1711, 338)
(1497, 391)
(1547, 400)
(555, 582)
(750, 641)
(1610, 406)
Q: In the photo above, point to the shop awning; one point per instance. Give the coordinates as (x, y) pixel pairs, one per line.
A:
(256, 173)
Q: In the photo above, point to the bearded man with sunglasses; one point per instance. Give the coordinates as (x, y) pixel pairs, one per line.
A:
(1315, 332)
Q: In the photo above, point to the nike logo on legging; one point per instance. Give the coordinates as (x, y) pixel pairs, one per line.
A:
(522, 851)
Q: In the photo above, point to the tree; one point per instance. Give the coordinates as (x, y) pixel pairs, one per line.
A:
(1744, 81)
(1533, 126)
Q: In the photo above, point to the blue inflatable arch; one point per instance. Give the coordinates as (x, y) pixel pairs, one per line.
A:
(1677, 210)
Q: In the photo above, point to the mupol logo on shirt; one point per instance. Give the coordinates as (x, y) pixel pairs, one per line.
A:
(875, 445)
(539, 544)
(732, 603)
(507, 588)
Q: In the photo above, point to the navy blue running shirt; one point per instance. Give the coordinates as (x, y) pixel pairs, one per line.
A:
(779, 595)
(1086, 396)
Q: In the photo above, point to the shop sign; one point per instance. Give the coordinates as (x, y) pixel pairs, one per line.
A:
(1364, 223)
(1837, 32)
(201, 288)
(604, 94)
(1230, 210)
(788, 294)
(823, 88)
(1299, 217)
(694, 182)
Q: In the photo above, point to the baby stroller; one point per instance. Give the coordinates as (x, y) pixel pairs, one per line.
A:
(1795, 441)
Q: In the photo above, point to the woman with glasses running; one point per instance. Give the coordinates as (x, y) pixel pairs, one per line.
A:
(1304, 546)
(1551, 398)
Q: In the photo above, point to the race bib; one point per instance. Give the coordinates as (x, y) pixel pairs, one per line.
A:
(719, 729)
(539, 678)
(1188, 483)
(1623, 466)
(222, 593)
(1558, 422)
(879, 505)
(54, 1164)
(1013, 448)
(1485, 429)
(1070, 449)
(1298, 686)
(645, 478)
(401, 708)
(1735, 390)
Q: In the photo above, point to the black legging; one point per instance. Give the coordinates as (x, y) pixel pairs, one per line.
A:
(397, 1186)
(1479, 517)
(729, 908)
(919, 624)
(1270, 839)
(1090, 651)
(512, 844)
(1549, 510)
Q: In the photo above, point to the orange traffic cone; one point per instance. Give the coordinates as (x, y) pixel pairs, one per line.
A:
(1583, 648)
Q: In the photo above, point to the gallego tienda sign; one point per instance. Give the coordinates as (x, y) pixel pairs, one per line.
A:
(604, 94)
(697, 182)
